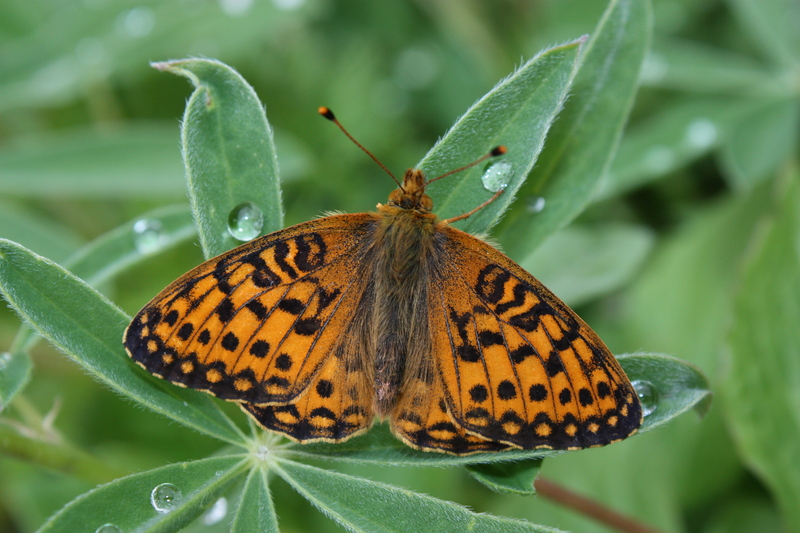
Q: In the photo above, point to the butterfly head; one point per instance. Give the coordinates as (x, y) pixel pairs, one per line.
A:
(411, 194)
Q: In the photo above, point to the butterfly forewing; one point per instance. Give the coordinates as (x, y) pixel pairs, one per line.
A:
(518, 366)
(259, 323)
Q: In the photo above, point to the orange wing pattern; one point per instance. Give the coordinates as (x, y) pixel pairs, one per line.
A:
(517, 365)
(422, 419)
(263, 325)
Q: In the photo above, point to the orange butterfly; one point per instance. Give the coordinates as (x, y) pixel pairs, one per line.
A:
(317, 329)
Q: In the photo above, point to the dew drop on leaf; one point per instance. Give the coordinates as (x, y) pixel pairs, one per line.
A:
(108, 528)
(245, 221)
(701, 134)
(535, 204)
(165, 497)
(496, 176)
(148, 235)
(216, 512)
(648, 395)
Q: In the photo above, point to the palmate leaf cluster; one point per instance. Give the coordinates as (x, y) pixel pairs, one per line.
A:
(674, 251)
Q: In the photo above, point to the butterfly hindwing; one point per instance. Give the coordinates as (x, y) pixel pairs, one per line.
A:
(259, 323)
(422, 419)
(518, 366)
(335, 406)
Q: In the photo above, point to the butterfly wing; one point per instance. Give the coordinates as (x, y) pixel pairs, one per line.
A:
(517, 365)
(261, 324)
(422, 419)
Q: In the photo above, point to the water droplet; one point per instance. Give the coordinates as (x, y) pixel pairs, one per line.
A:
(147, 235)
(659, 159)
(235, 8)
(165, 497)
(701, 133)
(535, 204)
(648, 395)
(108, 528)
(245, 221)
(496, 176)
(5, 358)
(137, 22)
(216, 512)
(654, 68)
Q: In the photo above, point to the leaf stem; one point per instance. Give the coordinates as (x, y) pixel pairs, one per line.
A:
(588, 507)
(58, 457)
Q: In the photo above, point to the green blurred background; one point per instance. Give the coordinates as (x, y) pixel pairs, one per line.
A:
(667, 259)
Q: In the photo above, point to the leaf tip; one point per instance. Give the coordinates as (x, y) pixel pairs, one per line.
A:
(703, 406)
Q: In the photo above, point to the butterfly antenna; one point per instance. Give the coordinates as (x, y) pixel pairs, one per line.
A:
(327, 113)
(496, 151)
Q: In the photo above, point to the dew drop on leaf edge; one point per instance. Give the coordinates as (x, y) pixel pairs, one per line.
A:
(245, 221)
(165, 497)
(648, 395)
(5, 358)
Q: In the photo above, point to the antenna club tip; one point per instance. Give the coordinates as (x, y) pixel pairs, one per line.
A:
(498, 150)
(327, 113)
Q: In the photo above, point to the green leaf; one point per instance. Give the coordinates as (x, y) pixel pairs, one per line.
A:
(361, 505)
(764, 376)
(129, 503)
(77, 163)
(517, 113)
(513, 477)
(228, 152)
(56, 456)
(15, 372)
(760, 143)
(583, 140)
(667, 386)
(745, 513)
(51, 63)
(693, 67)
(682, 304)
(772, 25)
(35, 232)
(83, 324)
(379, 446)
(681, 132)
(582, 263)
(99, 261)
(131, 243)
(255, 511)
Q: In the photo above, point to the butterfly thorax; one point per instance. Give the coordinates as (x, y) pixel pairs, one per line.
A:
(411, 195)
(404, 242)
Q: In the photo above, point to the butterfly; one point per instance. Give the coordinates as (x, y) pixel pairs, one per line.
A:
(318, 329)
